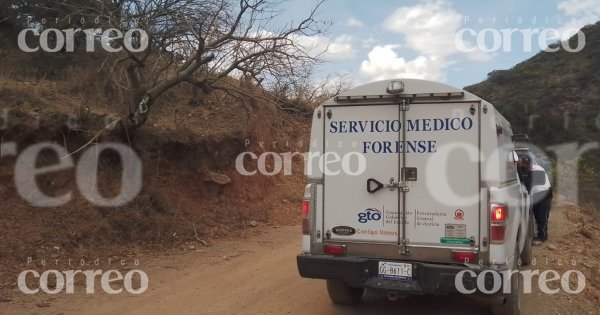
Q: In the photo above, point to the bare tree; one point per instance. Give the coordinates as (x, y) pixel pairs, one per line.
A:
(305, 94)
(328, 87)
(204, 42)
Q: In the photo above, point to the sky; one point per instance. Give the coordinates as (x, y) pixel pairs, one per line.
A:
(456, 42)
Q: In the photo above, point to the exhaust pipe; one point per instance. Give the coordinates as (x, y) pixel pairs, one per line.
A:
(392, 296)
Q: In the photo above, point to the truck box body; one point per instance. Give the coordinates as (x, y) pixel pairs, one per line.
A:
(434, 215)
(407, 171)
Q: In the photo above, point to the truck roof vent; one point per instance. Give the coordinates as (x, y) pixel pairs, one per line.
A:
(395, 87)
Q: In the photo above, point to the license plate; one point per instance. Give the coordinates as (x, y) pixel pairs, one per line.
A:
(395, 271)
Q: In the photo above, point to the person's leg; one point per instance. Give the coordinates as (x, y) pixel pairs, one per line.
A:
(547, 207)
(540, 220)
(543, 213)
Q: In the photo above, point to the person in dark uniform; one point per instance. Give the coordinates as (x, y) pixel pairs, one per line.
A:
(524, 171)
(541, 211)
(542, 201)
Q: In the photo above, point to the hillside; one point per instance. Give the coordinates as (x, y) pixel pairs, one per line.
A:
(554, 97)
(180, 207)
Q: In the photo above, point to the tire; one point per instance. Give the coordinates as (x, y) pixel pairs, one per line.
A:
(527, 253)
(512, 304)
(343, 294)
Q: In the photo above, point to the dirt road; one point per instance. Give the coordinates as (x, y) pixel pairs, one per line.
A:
(252, 276)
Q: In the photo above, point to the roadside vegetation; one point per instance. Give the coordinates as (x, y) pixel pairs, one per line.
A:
(554, 97)
(207, 92)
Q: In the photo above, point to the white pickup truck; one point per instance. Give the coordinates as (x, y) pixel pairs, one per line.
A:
(413, 189)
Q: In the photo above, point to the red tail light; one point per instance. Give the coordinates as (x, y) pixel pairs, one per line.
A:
(305, 207)
(465, 257)
(498, 233)
(499, 213)
(498, 218)
(305, 211)
(336, 250)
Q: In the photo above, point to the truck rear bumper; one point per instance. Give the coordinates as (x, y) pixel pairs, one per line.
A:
(438, 279)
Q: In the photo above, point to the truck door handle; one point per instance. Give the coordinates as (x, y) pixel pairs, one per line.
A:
(393, 184)
(371, 182)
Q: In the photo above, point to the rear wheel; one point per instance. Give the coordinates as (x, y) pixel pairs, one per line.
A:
(512, 304)
(527, 254)
(341, 293)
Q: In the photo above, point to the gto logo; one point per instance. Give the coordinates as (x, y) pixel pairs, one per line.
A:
(370, 214)
(54, 281)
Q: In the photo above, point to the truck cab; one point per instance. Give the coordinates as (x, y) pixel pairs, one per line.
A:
(412, 188)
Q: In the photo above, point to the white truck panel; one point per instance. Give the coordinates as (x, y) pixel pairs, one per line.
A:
(313, 167)
(347, 202)
(442, 204)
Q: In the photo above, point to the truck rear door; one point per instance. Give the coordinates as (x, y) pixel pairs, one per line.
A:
(357, 205)
(441, 199)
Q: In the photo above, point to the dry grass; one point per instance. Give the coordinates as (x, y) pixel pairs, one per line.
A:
(178, 146)
(595, 213)
(585, 230)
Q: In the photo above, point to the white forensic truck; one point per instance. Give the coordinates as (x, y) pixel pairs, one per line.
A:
(413, 189)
